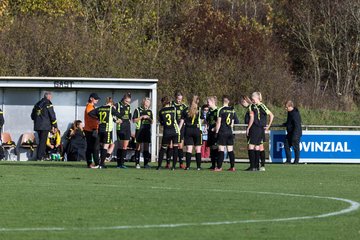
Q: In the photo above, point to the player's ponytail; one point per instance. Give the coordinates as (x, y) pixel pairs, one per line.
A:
(194, 107)
(245, 98)
(165, 100)
(109, 101)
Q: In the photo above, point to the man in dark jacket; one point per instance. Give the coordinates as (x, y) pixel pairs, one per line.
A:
(44, 119)
(294, 132)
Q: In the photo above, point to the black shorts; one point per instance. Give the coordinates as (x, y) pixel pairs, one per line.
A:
(171, 137)
(256, 134)
(143, 135)
(105, 137)
(124, 133)
(225, 138)
(193, 136)
(211, 139)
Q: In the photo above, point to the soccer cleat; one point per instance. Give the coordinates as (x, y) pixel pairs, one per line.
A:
(167, 166)
(99, 167)
(172, 169)
(108, 159)
(218, 169)
(262, 169)
(182, 166)
(137, 166)
(158, 168)
(198, 169)
(186, 168)
(147, 166)
(231, 169)
(248, 169)
(212, 168)
(122, 166)
(254, 170)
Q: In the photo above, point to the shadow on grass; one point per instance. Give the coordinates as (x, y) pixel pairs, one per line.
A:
(51, 164)
(45, 164)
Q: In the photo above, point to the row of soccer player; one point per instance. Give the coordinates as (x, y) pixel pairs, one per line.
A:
(182, 125)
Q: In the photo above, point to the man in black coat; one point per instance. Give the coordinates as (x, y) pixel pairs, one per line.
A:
(294, 132)
(44, 119)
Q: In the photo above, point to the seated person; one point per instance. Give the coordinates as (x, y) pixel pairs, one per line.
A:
(53, 144)
(76, 147)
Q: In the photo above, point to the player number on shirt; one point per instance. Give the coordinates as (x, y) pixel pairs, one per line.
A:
(228, 120)
(168, 118)
(102, 117)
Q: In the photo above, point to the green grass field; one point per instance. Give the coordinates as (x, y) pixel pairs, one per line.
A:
(59, 200)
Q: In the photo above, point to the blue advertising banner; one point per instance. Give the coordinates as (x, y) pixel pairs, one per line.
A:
(319, 147)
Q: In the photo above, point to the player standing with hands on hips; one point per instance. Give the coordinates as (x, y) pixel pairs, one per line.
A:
(256, 131)
(264, 113)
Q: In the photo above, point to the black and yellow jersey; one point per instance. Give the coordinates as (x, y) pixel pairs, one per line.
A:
(194, 122)
(212, 117)
(260, 114)
(180, 110)
(226, 114)
(105, 116)
(143, 123)
(125, 113)
(167, 118)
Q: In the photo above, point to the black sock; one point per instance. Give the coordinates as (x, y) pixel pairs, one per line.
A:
(262, 157)
(232, 159)
(146, 157)
(220, 159)
(252, 158)
(123, 156)
(107, 154)
(118, 156)
(103, 153)
(137, 157)
(198, 160)
(175, 156)
(181, 155)
(213, 155)
(161, 155)
(257, 158)
(188, 159)
(169, 153)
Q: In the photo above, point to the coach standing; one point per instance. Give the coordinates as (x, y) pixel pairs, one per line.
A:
(294, 132)
(44, 119)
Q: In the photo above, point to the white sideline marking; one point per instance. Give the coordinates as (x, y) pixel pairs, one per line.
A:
(354, 206)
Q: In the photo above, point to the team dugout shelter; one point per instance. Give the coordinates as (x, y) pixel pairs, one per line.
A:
(70, 96)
